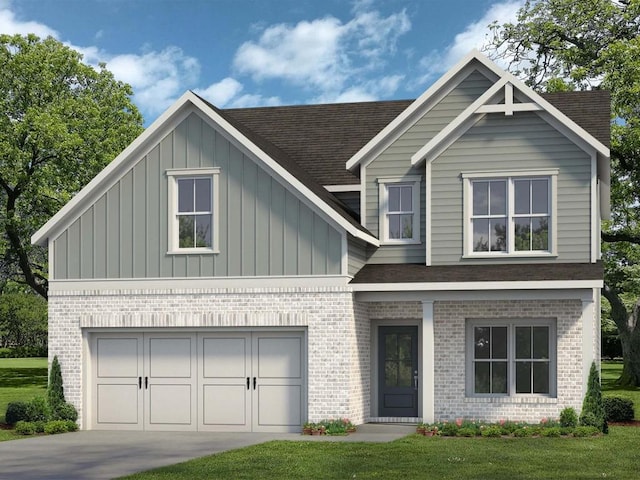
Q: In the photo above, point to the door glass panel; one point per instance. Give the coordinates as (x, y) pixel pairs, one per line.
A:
(398, 365)
(405, 373)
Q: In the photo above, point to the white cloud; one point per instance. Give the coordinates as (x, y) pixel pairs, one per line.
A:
(222, 92)
(475, 35)
(11, 25)
(325, 55)
(367, 91)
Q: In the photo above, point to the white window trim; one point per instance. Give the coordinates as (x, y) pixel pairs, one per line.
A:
(511, 376)
(414, 182)
(172, 197)
(509, 176)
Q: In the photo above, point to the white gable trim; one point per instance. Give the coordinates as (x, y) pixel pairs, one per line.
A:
(419, 108)
(172, 116)
(482, 106)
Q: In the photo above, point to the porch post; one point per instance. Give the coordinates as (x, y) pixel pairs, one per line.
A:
(588, 313)
(428, 361)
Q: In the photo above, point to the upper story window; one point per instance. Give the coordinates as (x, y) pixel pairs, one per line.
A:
(510, 214)
(193, 216)
(399, 209)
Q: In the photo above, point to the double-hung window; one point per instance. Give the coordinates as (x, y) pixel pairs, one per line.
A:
(400, 209)
(507, 358)
(193, 210)
(510, 214)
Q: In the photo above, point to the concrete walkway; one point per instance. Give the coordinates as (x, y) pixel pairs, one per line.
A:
(109, 454)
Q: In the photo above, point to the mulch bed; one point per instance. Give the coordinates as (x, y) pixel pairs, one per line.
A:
(5, 426)
(628, 423)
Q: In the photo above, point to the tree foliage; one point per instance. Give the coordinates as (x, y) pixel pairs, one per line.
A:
(23, 320)
(61, 122)
(568, 45)
(592, 413)
(55, 390)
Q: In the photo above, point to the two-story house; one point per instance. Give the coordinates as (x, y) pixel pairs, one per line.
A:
(249, 269)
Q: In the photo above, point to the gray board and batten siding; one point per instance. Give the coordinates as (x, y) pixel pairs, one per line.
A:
(395, 161)
(264, 229)
(497, 142)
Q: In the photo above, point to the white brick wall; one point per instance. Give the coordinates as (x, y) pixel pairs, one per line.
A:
(338, 339)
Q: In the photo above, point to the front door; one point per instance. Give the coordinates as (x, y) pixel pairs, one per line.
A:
(398, 371)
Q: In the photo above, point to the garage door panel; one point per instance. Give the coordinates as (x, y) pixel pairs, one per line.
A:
(279, 357)
(117, 404)
(279, 406)
(224, 357)
(225, 405)
(170, 405)
(170, 357)
(117, 357)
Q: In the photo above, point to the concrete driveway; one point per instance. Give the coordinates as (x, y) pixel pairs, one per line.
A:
(106, 454)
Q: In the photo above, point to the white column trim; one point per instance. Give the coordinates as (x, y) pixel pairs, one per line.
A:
(587, 340)
(428, 363)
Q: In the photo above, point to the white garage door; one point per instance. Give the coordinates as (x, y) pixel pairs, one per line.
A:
(246, 381)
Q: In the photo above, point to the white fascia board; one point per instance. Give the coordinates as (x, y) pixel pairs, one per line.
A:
(60, 220)
(465, 286)
(274, 166)
(457, 127)
(428, 96)
(343, 188)
(153, 285)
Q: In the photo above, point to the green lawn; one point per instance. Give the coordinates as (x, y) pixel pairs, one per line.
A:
(416, 457)
(21, 379)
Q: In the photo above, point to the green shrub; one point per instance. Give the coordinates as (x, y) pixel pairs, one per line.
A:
(523, 432)
(38, 410)
(56, 426)
(71, 425)
(568, 417)
(25, 428)
(449, 429)
(64, 411)
(592, 413)
(586, 431)
(39, 426)
(55, 390)
(491, 431)
(509, 427)
(466, 432)
(618, 409)
(551, 432)
(16, 411)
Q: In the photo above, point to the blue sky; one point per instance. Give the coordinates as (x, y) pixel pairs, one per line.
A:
(239, 53)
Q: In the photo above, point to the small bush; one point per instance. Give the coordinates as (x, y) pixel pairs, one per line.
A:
(492, 431)
(523, 432)
(592, 413)
(584, 431)
(449, 429)
(16, 411)
(25, 428)
(64, 411)
(551, 432)
(39, 426)
(56, 426)
(38, 410)
(589, 419)
(568, 417)
(466, 432)
(72, 426)
(618, 409)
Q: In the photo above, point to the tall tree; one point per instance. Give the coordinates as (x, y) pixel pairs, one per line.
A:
(61, 122)
(568, 44)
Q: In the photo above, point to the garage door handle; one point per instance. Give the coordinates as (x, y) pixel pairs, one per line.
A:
(248, 383)
(254, 383)
(140, 383)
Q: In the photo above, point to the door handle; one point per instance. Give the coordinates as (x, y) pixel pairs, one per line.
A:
(254, 383)
(415, 380)
(140, 383)
(248, 381)
(146, 383)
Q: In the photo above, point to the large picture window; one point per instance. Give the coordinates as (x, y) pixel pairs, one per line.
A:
(192, 210)
(509, 215)
(507, 358)
(400, 210)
